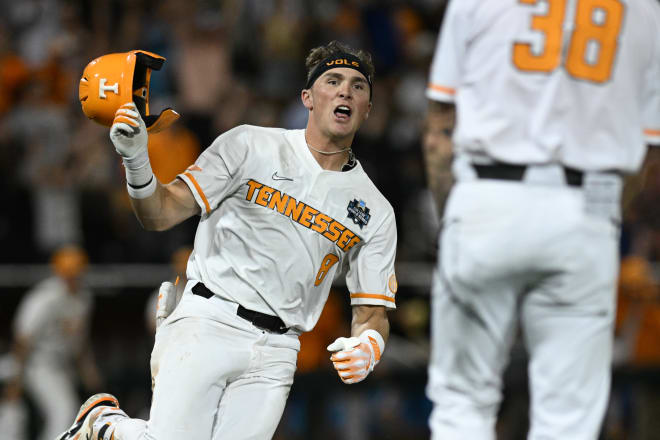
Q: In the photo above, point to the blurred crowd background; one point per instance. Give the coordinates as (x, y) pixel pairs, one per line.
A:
(232, 62)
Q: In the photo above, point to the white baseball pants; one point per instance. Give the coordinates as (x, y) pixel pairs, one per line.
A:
(216, 376)
(511, 254)
(53, 389)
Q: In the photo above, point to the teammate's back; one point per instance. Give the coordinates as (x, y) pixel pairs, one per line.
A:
(572, 81)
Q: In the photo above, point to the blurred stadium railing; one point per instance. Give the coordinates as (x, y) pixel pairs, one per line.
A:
(414, 275)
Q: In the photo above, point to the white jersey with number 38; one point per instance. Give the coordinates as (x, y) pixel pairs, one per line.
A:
(569, 81)
(276, 227)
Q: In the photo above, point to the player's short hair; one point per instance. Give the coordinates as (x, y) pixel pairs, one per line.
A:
(318, 54)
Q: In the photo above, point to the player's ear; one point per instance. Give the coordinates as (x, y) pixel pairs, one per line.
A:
(307, 99)
(366, 115)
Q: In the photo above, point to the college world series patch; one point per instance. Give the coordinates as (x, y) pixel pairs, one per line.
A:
(358, 212)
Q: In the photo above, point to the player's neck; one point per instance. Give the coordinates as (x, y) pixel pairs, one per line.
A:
(331, 155)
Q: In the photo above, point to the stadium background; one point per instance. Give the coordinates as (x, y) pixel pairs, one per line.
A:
(231, 62)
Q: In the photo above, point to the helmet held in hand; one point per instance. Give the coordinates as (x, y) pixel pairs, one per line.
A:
(112, 80)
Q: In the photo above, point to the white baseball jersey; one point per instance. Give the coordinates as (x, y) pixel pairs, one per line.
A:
(568, 81)
(276, 228)
(55, 321)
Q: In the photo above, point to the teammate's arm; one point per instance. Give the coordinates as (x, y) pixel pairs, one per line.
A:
(355, 357)
(21, 349)
(157, 206)
(635, 184)
(437, 144)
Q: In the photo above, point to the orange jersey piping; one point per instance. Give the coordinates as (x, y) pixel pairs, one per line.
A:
(372, 296)
(199, 191)
(442, 89)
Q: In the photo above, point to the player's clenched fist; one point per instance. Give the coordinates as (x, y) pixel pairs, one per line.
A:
(355, 358)
(128, 132)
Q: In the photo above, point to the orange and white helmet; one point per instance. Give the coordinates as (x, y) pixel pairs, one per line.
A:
(112, 80)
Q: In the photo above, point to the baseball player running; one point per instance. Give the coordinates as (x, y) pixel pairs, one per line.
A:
(52, 343)
(554, 103)
(281, 213)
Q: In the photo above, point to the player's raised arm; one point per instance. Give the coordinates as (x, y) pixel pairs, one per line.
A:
(157, 206)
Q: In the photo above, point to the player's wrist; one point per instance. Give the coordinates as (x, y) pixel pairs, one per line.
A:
(375, 342)
(140, 179)
(139, 158)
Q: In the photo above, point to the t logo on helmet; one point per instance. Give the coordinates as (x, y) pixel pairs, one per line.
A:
(103, 88)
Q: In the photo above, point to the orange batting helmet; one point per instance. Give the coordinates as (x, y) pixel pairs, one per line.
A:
(112, 80)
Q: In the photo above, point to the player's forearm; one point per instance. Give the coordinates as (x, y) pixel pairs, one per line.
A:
(151, 212)
(370, 317)
(165, 208)
(21, 348)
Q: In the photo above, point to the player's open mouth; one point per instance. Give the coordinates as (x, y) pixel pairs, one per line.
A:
(343, 112)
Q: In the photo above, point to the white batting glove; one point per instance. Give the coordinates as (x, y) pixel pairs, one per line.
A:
(355, 358)
(128, 132)
(166, 301)
(129, 136)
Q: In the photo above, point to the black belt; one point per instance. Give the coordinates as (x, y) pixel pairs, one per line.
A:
(261, 320)
(504, 171)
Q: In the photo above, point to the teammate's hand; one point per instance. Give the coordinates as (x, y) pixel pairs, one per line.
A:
(354, 358)
(128, 132)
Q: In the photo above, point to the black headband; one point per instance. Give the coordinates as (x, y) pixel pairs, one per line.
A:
(341, 59)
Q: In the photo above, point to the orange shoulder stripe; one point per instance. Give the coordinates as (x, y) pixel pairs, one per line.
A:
(372, 296)
(649, 132)
(199, 190)
(443, 89)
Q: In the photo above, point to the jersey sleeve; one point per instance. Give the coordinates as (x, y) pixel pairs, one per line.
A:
(218, 170)
(447, 64)
(370, 277)
(651, 110)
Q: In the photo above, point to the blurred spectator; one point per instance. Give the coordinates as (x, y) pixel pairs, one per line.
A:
(34, 23)
(41, 128)
(13, 72)
(51, 342)
(638, 315)
(203, 74)
(281, 73)
(635, 402)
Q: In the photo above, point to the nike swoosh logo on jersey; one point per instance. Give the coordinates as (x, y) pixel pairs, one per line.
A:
(277, 177)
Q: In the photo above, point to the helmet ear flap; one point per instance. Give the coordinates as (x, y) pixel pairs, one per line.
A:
(156, 123)
(144, 63)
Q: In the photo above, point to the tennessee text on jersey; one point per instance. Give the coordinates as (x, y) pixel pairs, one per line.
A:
(303, 214)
